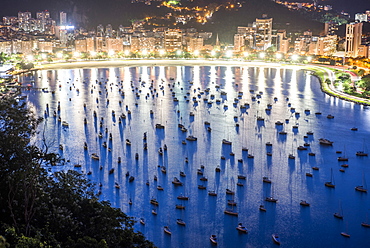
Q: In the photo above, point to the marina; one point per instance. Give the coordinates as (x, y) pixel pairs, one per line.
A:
(143, 134)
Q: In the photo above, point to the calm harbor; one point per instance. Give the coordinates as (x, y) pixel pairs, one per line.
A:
(234, 137)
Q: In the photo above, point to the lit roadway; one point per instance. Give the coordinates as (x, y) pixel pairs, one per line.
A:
(331, 76)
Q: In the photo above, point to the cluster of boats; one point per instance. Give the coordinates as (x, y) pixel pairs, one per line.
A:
(192, 139)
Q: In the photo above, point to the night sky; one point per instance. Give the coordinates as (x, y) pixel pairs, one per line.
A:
(104, 7)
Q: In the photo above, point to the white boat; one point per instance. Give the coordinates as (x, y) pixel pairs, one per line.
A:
(325, 142)
(180, 222)
(276, 239)
(65, 124)
(213, 239)
(94, 156)
(167, 230)
(241, 228)
(191, 138)
(142, 221)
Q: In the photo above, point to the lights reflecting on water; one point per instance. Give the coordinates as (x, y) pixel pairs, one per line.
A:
(269, 93)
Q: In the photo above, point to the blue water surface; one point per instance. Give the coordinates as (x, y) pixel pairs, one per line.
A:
(213, 94)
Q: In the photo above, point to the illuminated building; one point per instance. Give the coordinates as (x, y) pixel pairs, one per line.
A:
(282, 43)
(194, 44)
(109, 31)
(361, 17)
(353, 39)
(100, 30)
(173, 40)
(114, 44)
(81, 46)
(238, 42)
(63, 19)
(143, 43)
(364, 51)
(90, 44)
(45, 46)
(263, 33)
(6, 47)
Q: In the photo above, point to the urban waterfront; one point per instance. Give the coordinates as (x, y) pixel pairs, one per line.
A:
(230, 98)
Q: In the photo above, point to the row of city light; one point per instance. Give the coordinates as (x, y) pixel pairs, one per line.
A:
(162, 52)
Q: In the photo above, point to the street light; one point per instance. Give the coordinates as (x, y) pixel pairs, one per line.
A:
(196, 53)
(229, 53)
(262, 55)
(59, 55)
(93, 54)
(111, 53)
(295, 57)
(162, 52)
(76, 54)
(245, 54)
(144, 52)
(309, 58)
(127, 52)
(43, 56)
(29, 57)
(279, 56)
(178, 52)
(213, 53)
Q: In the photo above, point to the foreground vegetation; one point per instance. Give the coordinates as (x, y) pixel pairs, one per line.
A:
(40, 209)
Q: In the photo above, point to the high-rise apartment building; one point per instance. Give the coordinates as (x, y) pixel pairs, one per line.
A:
(195, 44)
(109, 31)
(24, 16)
(353, 39)
(361, 17)
(263, 33)
(172, 40)
(238, 42)
(63, 18)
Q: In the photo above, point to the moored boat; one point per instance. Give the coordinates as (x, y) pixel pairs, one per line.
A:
(271, 199)
(191, 138)
(230, 212)
(241, 228)
(176, 181)
(276, 239)
(180, 222)
(183, 197)
(212, 193)
(94, 156)
(304, 203)
(154, 201)
(167, 230)
(325, 142)
(213, 239)
(142, 221)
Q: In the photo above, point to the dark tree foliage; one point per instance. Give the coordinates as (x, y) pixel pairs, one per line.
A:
(39, 209)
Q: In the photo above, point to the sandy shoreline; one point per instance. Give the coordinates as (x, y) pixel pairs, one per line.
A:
(154, 62)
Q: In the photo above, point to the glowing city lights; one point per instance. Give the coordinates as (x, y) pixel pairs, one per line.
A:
(162, 52)
(295, 57)
(29, 57)
(262, 55)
